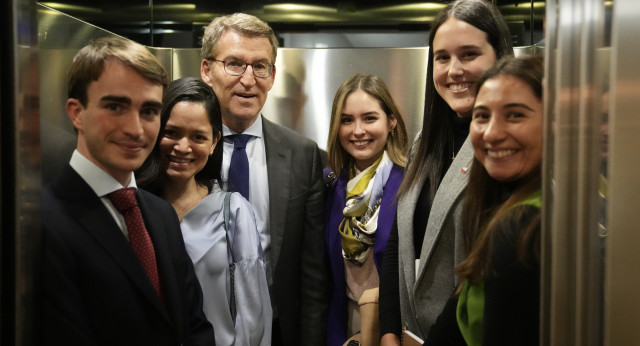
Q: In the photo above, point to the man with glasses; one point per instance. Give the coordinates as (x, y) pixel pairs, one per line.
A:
(278, 170)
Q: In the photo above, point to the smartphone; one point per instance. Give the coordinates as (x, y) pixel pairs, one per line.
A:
(354, 343)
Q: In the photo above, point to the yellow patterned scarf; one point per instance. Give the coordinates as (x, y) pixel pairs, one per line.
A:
(364, 193)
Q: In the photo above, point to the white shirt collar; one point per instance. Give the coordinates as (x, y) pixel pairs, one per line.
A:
(255, 129)
(100, 181)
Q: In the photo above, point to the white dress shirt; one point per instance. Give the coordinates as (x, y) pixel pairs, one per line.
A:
(258, 181)
(101, 183)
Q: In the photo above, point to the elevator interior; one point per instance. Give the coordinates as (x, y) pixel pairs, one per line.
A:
(591, 194)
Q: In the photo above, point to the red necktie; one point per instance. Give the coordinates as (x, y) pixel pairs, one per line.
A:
(125, 201)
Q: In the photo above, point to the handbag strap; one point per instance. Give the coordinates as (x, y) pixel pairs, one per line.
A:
(225, 211)
(232, 302)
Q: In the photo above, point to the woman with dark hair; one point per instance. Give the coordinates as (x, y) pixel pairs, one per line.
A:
(465, 39)
(154, 173)
(367, 140)
(498, 302)
(184, 169)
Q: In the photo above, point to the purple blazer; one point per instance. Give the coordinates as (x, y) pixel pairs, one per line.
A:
(335, 200)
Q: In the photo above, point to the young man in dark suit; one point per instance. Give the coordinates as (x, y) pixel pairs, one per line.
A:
(284, 172)
(115, 274)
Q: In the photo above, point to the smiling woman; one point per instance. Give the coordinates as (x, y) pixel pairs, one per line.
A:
(465, 39)
(461, 54)
(184, 169)
(187, 141)
(506, 130)
(185, 155)
(366, 151)
(501, 215)
(364, 128)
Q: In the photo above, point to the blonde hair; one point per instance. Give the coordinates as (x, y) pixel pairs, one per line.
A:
(337, 156)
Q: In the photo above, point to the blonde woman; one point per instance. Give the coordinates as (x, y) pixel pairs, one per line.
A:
(366, 158)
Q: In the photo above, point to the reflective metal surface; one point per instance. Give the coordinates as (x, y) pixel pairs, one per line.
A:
(59, 39)
(575, 198)
(301, 98)
(304, 90)
(167, 23)
(307, 79)
(590, 169)
(623, 308)
(20, 179)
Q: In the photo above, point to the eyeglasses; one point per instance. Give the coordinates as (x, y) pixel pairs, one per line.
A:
(235, 67)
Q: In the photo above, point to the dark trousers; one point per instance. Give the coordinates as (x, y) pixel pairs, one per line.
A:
(276, 334)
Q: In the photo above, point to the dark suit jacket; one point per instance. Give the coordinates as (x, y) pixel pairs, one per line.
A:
(95, 289)
(296, 197)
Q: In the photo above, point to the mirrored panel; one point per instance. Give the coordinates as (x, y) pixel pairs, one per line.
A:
(166, 23)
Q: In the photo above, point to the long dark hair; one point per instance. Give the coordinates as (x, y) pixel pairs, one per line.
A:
(150, 175)
(485, 205)
(427, 162)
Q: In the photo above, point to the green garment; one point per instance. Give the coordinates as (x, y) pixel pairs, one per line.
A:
(470, 309)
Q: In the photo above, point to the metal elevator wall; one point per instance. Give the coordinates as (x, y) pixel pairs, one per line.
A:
(591, 194)
(301, 98)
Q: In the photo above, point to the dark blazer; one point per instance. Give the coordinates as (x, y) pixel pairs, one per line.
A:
(95, 291)
(334, 206)
(299, 292)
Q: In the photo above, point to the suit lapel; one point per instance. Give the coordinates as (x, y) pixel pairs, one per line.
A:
(279, 169)
(158, 233)
(96, 220)
(406, 209)
(455, 181)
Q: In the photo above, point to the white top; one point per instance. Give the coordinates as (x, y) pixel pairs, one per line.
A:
(204, 236)
(258, 181)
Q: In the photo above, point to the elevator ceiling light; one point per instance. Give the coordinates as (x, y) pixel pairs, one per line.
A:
(67, 7)
(291, 7)
(413, 9)
(536, 4)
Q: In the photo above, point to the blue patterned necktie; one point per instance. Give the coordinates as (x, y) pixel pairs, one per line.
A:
(239, 167)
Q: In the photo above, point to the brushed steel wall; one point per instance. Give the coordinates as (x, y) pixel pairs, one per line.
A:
(591, 128)
(622, 312)
(590, 194)
(305, 83)
(307, 79)
(19, 174)
(60, 36)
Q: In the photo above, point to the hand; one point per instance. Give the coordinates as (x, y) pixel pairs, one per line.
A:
(390, 339)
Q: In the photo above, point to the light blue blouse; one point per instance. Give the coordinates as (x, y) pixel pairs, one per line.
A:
(204, 237)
